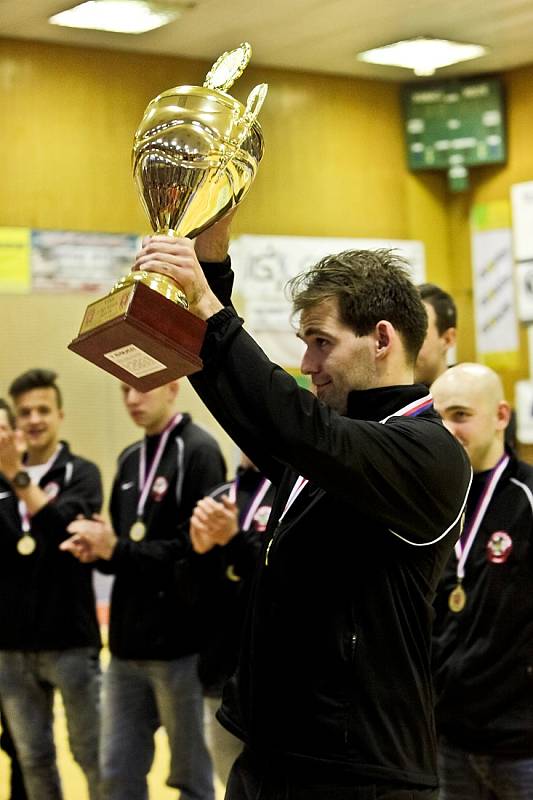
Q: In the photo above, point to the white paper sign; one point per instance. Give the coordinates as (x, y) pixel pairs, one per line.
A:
(71, 261)
(492, 263)
(522, 208)
(264, 264)
(524, 290)
(524, 411)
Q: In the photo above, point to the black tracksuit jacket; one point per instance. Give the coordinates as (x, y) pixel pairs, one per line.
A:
(154, 603)
(46, 598)
(334, 674)
(483, 655)
(227, 589)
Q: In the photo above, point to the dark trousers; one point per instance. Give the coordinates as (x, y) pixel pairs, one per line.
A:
(17, 790)
(252, 780)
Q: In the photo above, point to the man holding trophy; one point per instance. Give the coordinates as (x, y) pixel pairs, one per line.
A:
(332, 696)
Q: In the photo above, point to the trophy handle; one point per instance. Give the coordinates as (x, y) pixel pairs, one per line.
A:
(256, 98)
(228, 68)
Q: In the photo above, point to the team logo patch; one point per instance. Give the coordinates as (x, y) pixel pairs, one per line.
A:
(51, 490)
(499, 547)
(159, 488)
(261, 518)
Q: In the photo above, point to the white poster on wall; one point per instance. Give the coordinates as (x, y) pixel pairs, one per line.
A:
(73, 261)
(524, 290)
(524, 411)
(522, 210)
(264, 264)
(492, 261)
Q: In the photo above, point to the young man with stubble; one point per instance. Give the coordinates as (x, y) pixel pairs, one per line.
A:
(49, 634)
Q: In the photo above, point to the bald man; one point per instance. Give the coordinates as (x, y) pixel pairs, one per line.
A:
(483, 645)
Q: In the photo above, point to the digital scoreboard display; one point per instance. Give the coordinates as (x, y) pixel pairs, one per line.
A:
(456, 123)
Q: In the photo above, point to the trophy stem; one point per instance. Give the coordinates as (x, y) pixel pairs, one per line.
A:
(161, 284)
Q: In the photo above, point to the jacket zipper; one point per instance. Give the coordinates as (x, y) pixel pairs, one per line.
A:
(353, 647)
(268, 548)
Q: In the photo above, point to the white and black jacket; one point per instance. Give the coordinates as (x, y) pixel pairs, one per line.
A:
(154, 611)
(334, 676)
(46, 598)
(483, 655)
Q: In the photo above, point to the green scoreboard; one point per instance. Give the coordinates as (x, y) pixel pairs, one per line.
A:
(454, 125)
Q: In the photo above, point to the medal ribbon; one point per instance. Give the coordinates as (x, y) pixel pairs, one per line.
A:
(410, 410)
(145, 481)
(465, 542)
(43, 470)
(262, 489)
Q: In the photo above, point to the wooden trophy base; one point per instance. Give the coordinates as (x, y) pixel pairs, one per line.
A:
(141, 337)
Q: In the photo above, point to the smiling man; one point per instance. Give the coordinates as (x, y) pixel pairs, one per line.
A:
(483, 649)
(49, 636)
(332, 694)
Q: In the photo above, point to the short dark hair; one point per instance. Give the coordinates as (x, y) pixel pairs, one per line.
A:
(4, 406)
(443, 304)
(370, 285)
(36, 379)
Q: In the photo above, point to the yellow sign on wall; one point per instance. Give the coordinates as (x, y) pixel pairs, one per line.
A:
(15, 249)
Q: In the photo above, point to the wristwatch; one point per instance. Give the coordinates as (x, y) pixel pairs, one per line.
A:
(21, 479)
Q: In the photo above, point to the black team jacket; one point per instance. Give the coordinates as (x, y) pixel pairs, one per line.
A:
(46, 599)
(227, 588)
(155, 610)
(334, 681)
(483, 655)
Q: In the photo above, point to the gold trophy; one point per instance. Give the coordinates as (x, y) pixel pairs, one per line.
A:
(195, 155)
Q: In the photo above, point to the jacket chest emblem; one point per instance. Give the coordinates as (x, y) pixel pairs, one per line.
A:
(499, 547)
(260, 519)
(159, 488)
(51, 490)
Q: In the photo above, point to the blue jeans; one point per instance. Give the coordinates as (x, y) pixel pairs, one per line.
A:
(27, 684)
(470, 776)
(138, 697)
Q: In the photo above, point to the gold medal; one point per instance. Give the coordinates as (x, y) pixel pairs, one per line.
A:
(26, 545)
(457, 599)
(138, 531)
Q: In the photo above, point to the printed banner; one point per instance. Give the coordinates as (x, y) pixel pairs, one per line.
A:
(70, 261)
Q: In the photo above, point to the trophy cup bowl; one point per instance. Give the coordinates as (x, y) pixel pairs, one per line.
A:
(195, 156)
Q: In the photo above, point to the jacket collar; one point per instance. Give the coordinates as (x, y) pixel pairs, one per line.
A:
(375, 404)
(62, 457)
(184, 420)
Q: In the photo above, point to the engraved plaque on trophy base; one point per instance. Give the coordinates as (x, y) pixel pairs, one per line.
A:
(141, 337)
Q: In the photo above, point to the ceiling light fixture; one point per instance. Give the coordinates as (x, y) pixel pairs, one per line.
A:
(423, 54)
(118, 16)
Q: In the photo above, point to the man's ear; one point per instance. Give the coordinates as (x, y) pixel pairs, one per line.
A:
(503, 415)
(449, 337)
(383, 334)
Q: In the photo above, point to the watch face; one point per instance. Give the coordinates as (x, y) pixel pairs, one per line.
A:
(21, 480)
